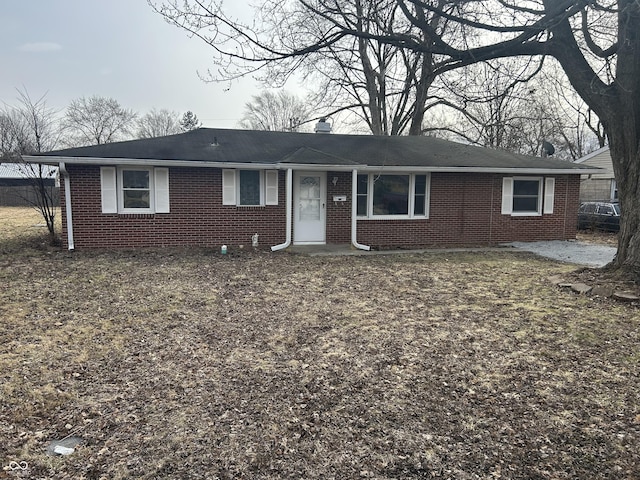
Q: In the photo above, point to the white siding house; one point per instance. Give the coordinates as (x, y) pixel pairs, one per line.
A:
(598, 186)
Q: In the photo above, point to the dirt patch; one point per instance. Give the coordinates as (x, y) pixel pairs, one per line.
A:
(190, 364)
(605, 283)
(598, 237)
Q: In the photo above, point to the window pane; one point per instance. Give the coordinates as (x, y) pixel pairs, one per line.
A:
(391, 195)
(362, 184)
(525, 204)
(136, 199)
(309, 192)
(420, 194)
(249, 187)
(362, 206)
(605, 210)
(526, 187)
(362, 187)
(309, 210)
(418, 208)
(310, 187)
(526, 196)
(135, 179)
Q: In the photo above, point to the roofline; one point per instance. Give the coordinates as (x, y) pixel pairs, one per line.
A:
(534, 171)
(143, 162)
(55, 160)
(592, 154)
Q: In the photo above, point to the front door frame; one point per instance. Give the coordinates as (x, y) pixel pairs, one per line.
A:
(304, 237)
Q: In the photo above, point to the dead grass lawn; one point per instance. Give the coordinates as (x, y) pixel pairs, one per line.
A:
(188, 364)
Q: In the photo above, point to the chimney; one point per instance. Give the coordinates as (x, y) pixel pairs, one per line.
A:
(323, 126)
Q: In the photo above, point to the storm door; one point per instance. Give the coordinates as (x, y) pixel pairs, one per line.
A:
(309, 219)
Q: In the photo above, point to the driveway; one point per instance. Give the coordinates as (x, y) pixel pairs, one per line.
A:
(580, 253)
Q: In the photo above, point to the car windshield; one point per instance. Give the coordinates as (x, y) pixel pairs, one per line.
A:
(588, 208)
(616, 208)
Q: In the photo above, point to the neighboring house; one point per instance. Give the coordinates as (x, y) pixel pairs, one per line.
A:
(210, 187)
(16, 188)
(601, 186)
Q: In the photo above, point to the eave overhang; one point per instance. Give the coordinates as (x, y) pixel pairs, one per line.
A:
(56, 160)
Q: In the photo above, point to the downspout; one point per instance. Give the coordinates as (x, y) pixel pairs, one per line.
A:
(354, 212)
(289, 217)
(67, 205)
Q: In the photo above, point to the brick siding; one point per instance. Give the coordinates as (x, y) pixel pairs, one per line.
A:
(465, 209)
(197, 216)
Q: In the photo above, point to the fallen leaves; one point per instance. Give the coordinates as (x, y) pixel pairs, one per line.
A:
(187, 364)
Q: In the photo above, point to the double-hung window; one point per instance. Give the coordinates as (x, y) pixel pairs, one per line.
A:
(134, 189)
(393, 195)
(249, 187)
(527, 196)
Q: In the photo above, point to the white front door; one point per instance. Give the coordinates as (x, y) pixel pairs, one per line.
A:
(309, 202)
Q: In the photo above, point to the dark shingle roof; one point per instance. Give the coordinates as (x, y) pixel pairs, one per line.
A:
(262, 147)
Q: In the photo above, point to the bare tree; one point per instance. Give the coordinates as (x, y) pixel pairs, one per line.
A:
(275, 111)
(189, 121)
(595, 42)
(488, 107)
(96, 120)
(384, 85)
(32, 127)
(14, 135)
(583, 132)
(158, 123)
(515, 105)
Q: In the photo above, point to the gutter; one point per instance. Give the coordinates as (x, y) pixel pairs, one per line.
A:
(289, 216)
(53, 160)
(145, 162)
(67, 205)
(354, 212)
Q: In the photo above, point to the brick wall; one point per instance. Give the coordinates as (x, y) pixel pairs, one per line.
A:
(339, 213)
(465, 209)
(197, 215)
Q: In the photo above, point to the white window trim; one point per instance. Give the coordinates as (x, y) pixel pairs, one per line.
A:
(112, 192)
(508, 196)
(412, 188)
(231, 187)
(262, 187)
(121, 208)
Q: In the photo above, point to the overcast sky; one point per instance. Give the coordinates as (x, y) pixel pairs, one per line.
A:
(122, 49)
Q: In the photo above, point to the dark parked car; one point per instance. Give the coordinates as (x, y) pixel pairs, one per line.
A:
(599, 216)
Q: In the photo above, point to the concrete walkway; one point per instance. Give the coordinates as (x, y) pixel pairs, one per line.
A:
(346, 249)
(579, 253)
(573, 251)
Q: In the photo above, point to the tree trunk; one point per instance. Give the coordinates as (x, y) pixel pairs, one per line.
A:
(618, 106)
(422, 92)
(625, 155)
(622, 122)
